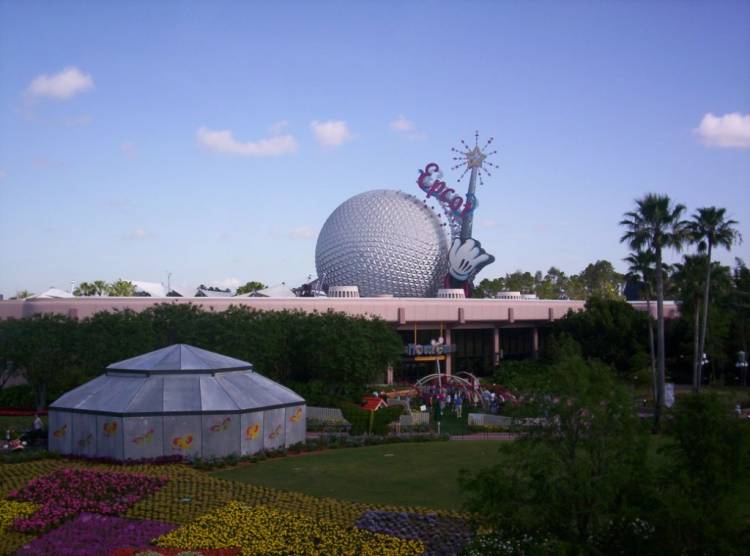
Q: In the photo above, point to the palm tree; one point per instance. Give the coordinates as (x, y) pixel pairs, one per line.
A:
(687, 278)
(641, 270)
(710, 228)
(654, 225)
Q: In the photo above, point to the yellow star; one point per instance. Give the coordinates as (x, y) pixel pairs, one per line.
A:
(475, 157)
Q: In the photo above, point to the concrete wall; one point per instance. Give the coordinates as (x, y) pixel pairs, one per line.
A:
(393, 310)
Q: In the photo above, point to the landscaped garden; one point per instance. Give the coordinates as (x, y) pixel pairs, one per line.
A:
(58, 506)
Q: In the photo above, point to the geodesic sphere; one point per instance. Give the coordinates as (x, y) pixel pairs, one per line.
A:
(384, 242)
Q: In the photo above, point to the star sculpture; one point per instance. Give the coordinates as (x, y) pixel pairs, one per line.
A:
(474, 160)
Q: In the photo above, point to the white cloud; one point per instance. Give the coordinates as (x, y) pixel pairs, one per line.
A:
(139, 233)
(66, 84)
(303, 232)
(403, 125)
(223, 141)
(332, 133)
(407, 128)
(729, 130)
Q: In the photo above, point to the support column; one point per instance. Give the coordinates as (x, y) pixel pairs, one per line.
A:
(496, 346)
(389, 375)
(448, 356)
(535, 342)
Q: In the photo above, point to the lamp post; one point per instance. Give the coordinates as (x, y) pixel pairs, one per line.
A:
(742, 366)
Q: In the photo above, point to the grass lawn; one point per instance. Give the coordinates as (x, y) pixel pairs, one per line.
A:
(19, 424)
(412, 474)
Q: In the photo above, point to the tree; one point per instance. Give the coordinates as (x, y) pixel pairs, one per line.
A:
(705, 466)
(121, 288)
(656, 224)
(710, 228)
(641, 270)
(577, 478)
(44, 347)
(601, 280)
(90, 289)
(687, 278)
(23, 294)
(249, 287)
(609, 330)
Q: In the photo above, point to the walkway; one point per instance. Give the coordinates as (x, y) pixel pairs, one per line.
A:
(485, 436)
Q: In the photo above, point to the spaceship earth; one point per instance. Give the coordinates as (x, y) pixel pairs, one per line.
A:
(384, 242)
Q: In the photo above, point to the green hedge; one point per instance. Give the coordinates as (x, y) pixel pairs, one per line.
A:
(333, 354)
(18, 397)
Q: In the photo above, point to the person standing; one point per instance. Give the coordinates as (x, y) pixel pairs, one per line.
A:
(458, 402)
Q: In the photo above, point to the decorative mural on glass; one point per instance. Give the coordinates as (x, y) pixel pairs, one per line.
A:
(60, 432)
(83, 427)
(252, 432)
(273, 429)
(221, 434)
(143, 437)
(295, 425)
(109, 436)
(182, 435)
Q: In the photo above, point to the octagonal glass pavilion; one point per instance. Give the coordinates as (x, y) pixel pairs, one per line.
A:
(176, 400)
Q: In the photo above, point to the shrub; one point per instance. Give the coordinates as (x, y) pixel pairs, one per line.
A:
(364, 422)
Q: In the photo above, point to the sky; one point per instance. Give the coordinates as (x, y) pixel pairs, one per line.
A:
(211, 140)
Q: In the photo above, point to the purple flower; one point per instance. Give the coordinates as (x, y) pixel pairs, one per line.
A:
(67, 492)
(442, 535)
(95, 535)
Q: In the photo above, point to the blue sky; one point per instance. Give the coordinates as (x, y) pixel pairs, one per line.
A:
(212, 139)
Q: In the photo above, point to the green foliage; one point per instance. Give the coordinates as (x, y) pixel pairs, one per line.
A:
(43, 346)
(121, 288)
(18, 397)
(611, 331)
(517, 375)
(370, 422)
(597, 279)
(341, 352)
(118, 288)
(322, 393)
(250, 287)
(577, 477)
(705, 464)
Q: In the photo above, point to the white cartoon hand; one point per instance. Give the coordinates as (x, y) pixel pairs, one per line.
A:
(467, 258)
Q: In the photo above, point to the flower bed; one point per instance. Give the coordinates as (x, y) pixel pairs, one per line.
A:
(9, 510)
(262, 530)
(66, 492)
(440, 534)
(157, 551)
(94, 535)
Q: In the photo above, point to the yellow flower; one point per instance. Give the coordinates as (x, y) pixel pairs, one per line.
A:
(263, 530)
